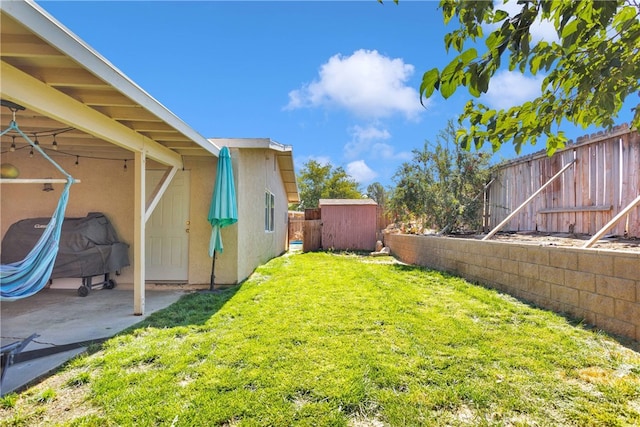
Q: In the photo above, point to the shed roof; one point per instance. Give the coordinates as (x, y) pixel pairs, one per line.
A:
(346, 202)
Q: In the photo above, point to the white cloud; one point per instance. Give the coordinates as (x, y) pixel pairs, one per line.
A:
(369, 141)
(543, 30)
(540, 30)
(362, 139)
(388, 152)
(366, 83)
(508, 88)
(359, 171)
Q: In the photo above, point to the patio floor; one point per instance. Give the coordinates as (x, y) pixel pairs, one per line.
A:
(60, 316)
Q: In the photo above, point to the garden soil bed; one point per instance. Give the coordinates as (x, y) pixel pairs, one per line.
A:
(563, 239)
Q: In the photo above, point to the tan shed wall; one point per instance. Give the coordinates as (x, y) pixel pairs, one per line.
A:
(349, 227)
(602, 287)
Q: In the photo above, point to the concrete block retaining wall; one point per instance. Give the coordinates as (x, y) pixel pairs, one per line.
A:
(600, 286)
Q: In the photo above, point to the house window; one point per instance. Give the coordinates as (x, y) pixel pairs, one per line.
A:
(269, 210)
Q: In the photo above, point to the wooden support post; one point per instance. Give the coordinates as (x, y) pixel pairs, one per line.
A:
(611, 223)
(526, 202)
(139, 234)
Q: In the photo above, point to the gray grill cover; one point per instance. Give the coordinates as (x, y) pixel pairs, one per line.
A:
(89, 246)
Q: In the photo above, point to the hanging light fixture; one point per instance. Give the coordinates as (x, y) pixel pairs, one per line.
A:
(77, 160)
(125, 165)
(13, 144)
(31, 152)
(55, 143)
(47, 186)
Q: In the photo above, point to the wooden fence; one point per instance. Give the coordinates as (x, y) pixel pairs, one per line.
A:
(296, 229)
(603, 180)
(296, 225)
(312, 240)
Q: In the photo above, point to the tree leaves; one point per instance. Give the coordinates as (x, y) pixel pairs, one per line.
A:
(430, 82)
(451, 77)
(317, 181)
(592, 69)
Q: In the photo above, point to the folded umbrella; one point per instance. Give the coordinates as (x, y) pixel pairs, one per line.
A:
(223, 210)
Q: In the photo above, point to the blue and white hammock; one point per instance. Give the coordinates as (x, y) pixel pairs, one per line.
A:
(24, 278)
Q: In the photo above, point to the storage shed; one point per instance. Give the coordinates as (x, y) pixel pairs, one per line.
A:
(349, 224)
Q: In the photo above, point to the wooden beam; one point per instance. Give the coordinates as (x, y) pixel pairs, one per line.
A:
(37, 96)
(27, 45)
(611, 223)
(526, 202)
(602, 208)
(99, 97)
(130, 113)
(152, 126)
(66, 77)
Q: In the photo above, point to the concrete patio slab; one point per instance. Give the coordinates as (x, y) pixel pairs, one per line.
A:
(60, 316)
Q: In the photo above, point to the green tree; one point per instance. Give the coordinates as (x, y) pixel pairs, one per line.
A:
(589, 72)
(443, 185)
(377, 192)
(317, 181)
(412, 179)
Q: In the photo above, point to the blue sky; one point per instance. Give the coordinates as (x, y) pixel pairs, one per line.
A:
(336, 80)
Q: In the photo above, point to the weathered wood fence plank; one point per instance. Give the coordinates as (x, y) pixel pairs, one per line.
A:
(605, 179)
(312, 235)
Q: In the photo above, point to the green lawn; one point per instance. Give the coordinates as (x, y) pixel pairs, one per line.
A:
(337, 339)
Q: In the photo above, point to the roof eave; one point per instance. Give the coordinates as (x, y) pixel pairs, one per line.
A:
(284, 153)
(48, 28)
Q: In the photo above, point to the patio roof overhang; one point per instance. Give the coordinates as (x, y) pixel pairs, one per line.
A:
(62, 82)
(65, 84)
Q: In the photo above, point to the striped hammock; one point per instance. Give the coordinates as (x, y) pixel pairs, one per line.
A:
(24, 278)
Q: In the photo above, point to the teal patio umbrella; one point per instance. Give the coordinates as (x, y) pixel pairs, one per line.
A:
(223, 210)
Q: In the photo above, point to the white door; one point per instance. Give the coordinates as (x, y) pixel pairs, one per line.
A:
(167, 230)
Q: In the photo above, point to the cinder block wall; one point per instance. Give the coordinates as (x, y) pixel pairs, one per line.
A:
(600, 286)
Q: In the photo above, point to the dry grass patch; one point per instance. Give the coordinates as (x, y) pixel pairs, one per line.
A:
(71, 399)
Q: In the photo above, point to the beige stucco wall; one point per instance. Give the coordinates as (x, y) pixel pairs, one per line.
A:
(246, 244)
(203, 175)
(106, 187)
(259, 173)
(600, 286)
